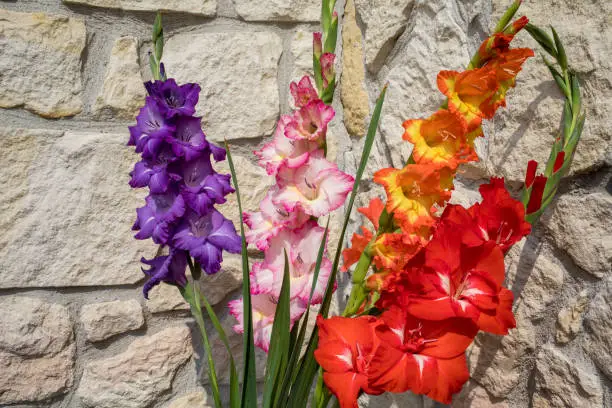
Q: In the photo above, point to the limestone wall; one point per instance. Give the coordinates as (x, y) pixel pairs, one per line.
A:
(74, 328)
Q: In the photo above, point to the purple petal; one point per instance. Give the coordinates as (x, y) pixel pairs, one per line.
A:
(169, 269)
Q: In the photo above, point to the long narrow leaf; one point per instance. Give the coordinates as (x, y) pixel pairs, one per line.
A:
(308, 365)
(278, 353)
(249, 384)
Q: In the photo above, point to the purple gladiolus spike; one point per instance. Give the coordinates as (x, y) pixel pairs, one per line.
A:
(168, 268)
(175, 99)
(151, 129)
(155, 219)
(203, 186)
(154, 173)
(205, 237)
(188, 140)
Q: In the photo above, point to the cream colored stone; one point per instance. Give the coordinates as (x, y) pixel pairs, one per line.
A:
(193, 400)
(278, 10)
(354, 96)
(165, 298)
(569, 319)
(384, 21)
(495, 362)
(560, 383)
(301, 52)
(238, 75)
(200, 7)
(581, 225)
(122, 93)
(41, 63)
(104, 320)
(36, 350)
(533, 273)
(253, 182)
(474, 396)
(599, 322)
(138, 376)
(65, 199)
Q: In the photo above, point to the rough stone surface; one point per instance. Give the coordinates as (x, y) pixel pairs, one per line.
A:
(36, 350)
(41, 63)
(474, 396)
(104, 320)
(61, 202)
(238, 75)
(569, 319)
(122, 93)
(384, 21)
(201, 7)
(581, 225)
(165, 298)
(278, 10)
(193, 400)
(139, 375)
(354, 97)
(301, 52)
(559, 383)
(599, 321)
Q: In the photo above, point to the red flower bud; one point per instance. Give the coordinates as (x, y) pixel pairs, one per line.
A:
(537, 192)
(559, 161)
(532, 167)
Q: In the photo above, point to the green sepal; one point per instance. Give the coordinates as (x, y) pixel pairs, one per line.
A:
(154, 67)
(559, 79)
(561, 56)
(576, 99)
(542, 38)
(331, 36)
(508, 15)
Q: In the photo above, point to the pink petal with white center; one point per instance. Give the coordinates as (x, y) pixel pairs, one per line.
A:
(310, 122)
(303, 92)
(318, 187)
(264, 308)
(268, 222)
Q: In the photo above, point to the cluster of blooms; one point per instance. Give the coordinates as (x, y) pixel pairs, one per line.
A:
(307, 187)
(176, 167)
(437, 278)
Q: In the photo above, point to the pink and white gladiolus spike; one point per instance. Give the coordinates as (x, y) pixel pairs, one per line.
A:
(310, 122)
(303, 92)
(282, 150)
(302, 246)
(264, 308)
(270, 220)
(318, 187)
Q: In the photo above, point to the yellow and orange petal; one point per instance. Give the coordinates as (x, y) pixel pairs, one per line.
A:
(358, 244)
(373, 211)
(469, 93)
(414, 191)
(439, 139)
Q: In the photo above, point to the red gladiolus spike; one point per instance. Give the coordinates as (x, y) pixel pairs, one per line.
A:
(559, 161)
(532, 167)
(535, 201)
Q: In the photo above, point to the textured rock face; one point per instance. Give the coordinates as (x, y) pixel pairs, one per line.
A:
(104, 320)
(384, 21)
(569, 319)
(41, 63)
(301, 52)
(354, 96)
(559, 383)
(122, 94)
(139, 375)
(202, 7)
(36, 350)
(238, 75)
(581, 225)
(278, 10)
(193, 400)
(62, 204)
(599, 321)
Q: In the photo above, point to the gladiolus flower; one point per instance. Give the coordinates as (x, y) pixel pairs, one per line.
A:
(422, 356)
(359, 243)
(318, 187)
(202, 186)
(155, 219)
(281, 150)
(413, 191)
(154, 172)
(269, 221)
(393, 250)
(469, 93)
(440, 139)
(328, 72)
(174, 99)
(152, 127)
(310, 122)
(188, 139)
(302, 247)
(303, 92)
(345, 350)
(169, 268)
(264, 308)
(205, 237)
